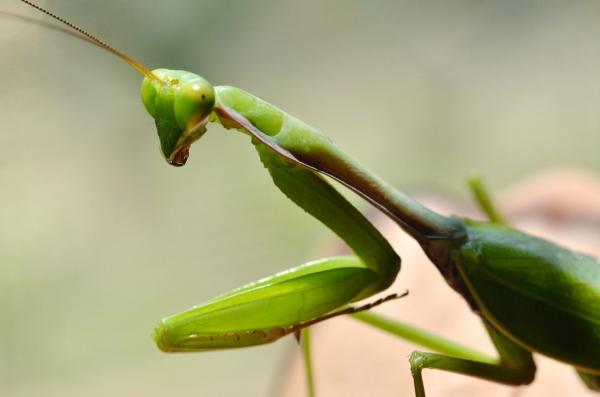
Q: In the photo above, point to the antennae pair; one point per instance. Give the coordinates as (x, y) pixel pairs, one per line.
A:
(93, 39)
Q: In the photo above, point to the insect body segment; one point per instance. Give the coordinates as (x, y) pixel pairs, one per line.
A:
(264, 307)
(310, 147)
(180, 103)
(303, 293)
(542, 295)
(218, 341)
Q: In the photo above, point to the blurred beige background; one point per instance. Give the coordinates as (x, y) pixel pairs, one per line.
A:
(99, 238)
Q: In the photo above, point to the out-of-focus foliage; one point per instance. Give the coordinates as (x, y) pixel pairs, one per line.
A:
(99, 237)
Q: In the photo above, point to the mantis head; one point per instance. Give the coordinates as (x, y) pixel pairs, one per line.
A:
(180, 103)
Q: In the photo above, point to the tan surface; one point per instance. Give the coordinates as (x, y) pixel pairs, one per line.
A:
(352, 359)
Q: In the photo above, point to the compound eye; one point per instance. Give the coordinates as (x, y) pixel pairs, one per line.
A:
(193, 103)
(149, 96)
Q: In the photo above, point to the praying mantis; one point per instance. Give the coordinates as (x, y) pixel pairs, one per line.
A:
(532, 295)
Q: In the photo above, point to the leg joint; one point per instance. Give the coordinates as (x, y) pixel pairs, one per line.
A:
(528, 374)
(417, 361)
(524, 373)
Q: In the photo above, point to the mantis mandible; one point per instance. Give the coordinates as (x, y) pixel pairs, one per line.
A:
(532, 295)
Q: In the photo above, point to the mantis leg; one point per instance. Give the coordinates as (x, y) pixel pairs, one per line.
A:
(517, 375)
(483, 198)
(592, 381)
(308, 370)
(514, 366)
(287, 302)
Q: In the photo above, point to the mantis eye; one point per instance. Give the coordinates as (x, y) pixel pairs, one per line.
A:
(194, 101)
(149, 96)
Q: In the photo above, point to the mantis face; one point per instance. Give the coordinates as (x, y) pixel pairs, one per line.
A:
(180, 103)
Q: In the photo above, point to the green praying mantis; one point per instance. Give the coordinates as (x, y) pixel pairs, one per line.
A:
(531, 295)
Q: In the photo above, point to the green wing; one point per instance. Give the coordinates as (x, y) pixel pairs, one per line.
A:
(544, 296)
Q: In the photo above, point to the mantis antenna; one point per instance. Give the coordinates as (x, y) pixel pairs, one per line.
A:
(94, 40)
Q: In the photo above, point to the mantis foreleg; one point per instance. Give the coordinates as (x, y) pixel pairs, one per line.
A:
(264, 311)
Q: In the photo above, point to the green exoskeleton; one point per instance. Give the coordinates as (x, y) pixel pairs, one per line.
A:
(532, 295)
(182, 104)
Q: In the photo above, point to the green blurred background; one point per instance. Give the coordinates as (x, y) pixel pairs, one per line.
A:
(100, 238)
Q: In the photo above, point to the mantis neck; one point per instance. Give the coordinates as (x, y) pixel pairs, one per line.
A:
(424, 225)
(304, 145)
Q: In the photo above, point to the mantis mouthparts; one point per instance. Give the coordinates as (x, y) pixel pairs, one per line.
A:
(179, 158)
